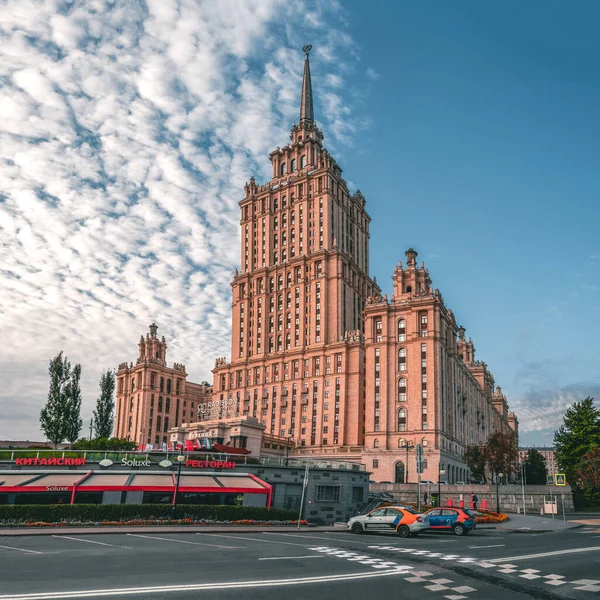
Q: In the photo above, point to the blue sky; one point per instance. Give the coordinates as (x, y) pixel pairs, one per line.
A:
(127, 131)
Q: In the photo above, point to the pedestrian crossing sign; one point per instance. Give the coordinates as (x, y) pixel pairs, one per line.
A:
(550, 480)
(560, 479)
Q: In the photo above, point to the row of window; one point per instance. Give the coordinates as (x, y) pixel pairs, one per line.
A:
(378, 328)
(283, 166)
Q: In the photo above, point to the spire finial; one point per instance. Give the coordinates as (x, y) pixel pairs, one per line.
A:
(306, 101)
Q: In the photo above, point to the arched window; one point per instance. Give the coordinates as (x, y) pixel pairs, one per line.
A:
(288, 342)
(402, 359)
(303, 161)
(270, 344)
(280, 282)
(399, 470)
(278, 342)
(292, 165)
(275, 205)
(160, 404)
(158, 423)
(401, 330)
(283, 169)
(375, 443)
(166, 425)
(283, 202)
(168, 405)
(402, 419)
(401, 443)
(402, 390)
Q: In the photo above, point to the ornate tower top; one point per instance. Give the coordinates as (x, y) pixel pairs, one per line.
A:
(307, 114)
(153, 330)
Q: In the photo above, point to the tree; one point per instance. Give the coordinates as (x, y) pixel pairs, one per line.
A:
(73, 421)
(501, 453)
(535, 468)
(475, 458)
(587, 474)
(579, 433)
(52, 416)
(105, 405)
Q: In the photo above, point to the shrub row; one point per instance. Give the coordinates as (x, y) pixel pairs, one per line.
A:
(54, 513)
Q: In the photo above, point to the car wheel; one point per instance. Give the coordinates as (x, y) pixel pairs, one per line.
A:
(403, 531)
(458, 529)
(357, 528)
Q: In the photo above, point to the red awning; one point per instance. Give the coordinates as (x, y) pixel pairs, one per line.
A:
(230, 449)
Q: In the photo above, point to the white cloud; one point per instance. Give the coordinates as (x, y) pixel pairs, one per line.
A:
(127, 132)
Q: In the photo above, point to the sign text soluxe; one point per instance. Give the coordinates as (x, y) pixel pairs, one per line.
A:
(50, 462)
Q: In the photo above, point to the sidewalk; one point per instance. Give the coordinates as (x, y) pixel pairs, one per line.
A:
(23, 531)
(535, 524)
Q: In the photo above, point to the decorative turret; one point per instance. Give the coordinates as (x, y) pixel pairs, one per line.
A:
(413, 281)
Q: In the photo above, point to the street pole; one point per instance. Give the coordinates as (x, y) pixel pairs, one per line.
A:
(180, 461)
(304, 484)
(497, 496)
(91, 425)
(523, 485)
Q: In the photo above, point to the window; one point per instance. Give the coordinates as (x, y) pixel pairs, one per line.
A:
(402, 359)
(376, 443)
(402, 390)
(283, 169)
(401, 330)
(402, 419)
(375, 463)
(358, 494)
(292, 165)
(303, 161)
(328, 493)
(378, 330)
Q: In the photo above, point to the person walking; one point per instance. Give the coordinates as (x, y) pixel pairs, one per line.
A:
(475, 500)
(425, 496)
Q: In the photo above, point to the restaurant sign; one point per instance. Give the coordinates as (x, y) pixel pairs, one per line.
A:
(58, 488)
(50, 462)
(211, 464)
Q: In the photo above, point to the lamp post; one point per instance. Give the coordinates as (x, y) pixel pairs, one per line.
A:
(91, 425)
(523, 485)
(441, 472)
(180, 461)
(498, 477)
(406, 444)
(287, 449)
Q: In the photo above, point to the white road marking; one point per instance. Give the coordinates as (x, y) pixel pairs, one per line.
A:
(542, 554)
(492, 546)
(238, 537)
(21, 549)
(67, 537)
(163, 539)
(316, 537)
(201, 586)
(291, 557)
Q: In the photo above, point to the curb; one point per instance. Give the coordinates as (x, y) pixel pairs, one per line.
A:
(30, 531)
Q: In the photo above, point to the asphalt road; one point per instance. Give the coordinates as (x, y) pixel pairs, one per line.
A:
(485, 565)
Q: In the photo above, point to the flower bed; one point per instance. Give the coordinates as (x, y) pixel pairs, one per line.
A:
(485, 516)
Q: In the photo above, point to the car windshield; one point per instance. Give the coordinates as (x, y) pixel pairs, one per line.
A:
(412, 511)
(468, 511)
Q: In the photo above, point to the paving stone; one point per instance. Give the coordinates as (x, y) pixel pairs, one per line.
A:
(415, 579)
(437, 587)
(441, 581)
(556, 582)
(530, 576)
(464, 589)
(588, 588)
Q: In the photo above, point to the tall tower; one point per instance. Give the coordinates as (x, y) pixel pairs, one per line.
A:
(297, 346)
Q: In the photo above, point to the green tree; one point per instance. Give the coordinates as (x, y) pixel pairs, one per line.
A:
(587, 476)
(501, 453)
(72, 415)
(104, 418)
(475, 458)
(579, 433)
(52, 416)
(535, 468)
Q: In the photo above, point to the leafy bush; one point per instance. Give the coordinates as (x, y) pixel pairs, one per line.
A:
(56, 513)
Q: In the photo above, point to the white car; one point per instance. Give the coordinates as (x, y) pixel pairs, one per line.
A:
(404, 521)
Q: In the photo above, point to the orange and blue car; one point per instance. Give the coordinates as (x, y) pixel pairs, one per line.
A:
(457, 520)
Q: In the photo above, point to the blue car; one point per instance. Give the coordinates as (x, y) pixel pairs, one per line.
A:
(457, 520)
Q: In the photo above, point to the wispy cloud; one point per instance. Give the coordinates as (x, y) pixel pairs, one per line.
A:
(127, 131)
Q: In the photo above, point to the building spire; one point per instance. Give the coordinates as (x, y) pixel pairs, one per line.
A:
(307, 114)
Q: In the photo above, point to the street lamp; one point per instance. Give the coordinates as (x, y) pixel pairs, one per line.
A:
(287, 449)
(441, 472)
(498, 477)
(180, 461)
(406, 444)
(91, 426)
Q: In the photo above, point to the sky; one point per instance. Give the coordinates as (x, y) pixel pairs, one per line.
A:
(128, 129)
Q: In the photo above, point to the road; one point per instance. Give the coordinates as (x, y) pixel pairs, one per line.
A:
(485, 565)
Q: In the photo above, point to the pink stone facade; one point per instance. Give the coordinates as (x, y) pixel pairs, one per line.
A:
(153, 397)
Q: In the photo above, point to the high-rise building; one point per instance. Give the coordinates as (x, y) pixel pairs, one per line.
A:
(423, 384)
(297, 346)
(153, 397)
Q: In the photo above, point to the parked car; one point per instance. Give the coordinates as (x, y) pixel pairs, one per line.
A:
(458, 520)
(404, 521)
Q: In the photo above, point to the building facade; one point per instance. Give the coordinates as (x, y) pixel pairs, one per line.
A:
(423, 384)
(297, 309)
(546, 451)
(153, 397)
